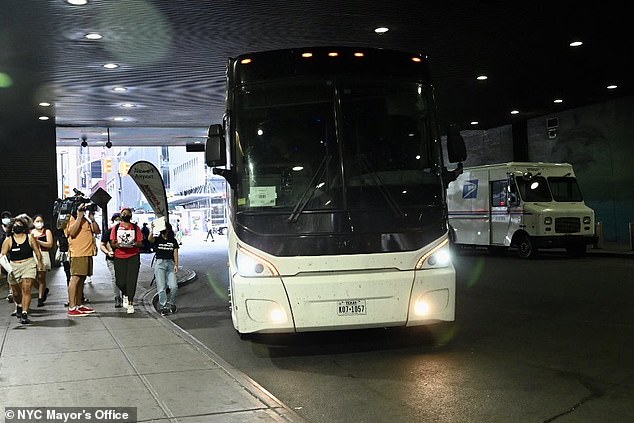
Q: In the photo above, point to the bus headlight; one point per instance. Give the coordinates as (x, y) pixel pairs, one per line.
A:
(251, 265)
(436, 258)
(587, 220)
(548, 220)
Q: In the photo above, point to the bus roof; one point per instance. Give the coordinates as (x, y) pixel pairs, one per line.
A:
(252, 67)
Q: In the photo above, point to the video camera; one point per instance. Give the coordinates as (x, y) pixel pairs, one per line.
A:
(64, 209)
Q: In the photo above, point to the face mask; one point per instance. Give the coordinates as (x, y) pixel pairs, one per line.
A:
(38, 225)
(126, 218)
(19, 229)
(6, 221)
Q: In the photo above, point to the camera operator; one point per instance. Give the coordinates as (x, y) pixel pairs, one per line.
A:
(81, 231)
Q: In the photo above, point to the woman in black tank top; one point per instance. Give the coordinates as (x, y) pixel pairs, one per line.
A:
(44, 238)
(20, 247)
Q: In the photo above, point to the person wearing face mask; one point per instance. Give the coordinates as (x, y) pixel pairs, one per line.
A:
(6, 219)
(166, 247)
(106, 248)
(25, 259)
(126, 239)
(44, 237)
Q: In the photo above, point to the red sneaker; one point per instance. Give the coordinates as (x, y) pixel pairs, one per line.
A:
(74, 312)
(85, 309)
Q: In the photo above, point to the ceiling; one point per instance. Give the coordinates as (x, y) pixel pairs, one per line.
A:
(172, 56)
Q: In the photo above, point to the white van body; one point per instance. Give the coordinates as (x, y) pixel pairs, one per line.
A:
(524, 205)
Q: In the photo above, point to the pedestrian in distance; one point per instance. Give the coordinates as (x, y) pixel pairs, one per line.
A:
(165, 268)
(25, 260)
(44, 237)
(126, 239)
(106, 248)
(210, 230)
(146, 243)
(80, 231)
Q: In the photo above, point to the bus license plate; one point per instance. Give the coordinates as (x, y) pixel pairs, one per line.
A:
(351, 307)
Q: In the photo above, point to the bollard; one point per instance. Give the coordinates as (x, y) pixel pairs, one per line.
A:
(598, 233)
(632, 236)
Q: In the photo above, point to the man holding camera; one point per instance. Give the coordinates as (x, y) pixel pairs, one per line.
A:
(81, 231)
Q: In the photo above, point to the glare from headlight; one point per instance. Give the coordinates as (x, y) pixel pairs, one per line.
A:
(421, 308)
(277, 315)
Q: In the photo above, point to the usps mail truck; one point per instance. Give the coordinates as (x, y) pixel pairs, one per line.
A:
(523, 205)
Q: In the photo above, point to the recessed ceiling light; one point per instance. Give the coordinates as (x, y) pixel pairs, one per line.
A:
(111, 66)
(576, 43)
(514, 112)
(118, 119)
(381, 30)
(612, 87)
(482, 78)
(120, 89)
(77, 2)
(558, 100)
(45, 104)
(474, 122)
(93, 36)
(43, 118)
(308, 54)
(128, 105)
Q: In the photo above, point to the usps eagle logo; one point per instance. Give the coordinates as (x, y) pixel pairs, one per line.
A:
(470, 189)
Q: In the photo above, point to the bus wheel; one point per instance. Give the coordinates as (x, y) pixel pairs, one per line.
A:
(525, 248)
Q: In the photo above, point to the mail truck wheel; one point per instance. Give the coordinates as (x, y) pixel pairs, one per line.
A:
(525, 247)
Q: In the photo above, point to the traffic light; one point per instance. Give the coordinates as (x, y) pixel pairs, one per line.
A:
(108, 165)
(66, 190)
(124, 167)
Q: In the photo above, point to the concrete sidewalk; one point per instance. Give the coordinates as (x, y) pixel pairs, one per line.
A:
(112, 359)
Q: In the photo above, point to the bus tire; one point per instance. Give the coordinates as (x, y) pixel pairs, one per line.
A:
(525, 247)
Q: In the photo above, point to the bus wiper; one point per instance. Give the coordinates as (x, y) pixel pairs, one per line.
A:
(308, 193)
(389, 198)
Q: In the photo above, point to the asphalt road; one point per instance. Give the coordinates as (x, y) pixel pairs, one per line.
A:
(540, 340)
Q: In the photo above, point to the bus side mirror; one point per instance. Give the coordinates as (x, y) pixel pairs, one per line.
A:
(215, 149)
(456, 149)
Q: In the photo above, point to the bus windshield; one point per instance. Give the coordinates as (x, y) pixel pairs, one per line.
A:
(335, 145)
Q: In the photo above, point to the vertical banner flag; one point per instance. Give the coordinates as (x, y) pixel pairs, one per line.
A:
(149, 180)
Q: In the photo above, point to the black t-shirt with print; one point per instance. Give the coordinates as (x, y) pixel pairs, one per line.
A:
(164, 248)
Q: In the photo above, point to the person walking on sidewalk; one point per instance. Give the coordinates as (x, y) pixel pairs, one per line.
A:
(165, 268)
(126, 239)
(44, 237)
(210, 230)
(25, 260)
(81, 231)
(108, 251)
(6, 220)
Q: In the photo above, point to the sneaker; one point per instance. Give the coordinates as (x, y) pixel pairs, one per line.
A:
(165, 311)
(125, 301)
(25, 319)
(85, 309)
(130, 309)
(74, 312)
(18, 312)
(45, 296)
(173, 308)
(40, 302)
(118, 302)
(10, 298)
(66, 304)
(15, 313)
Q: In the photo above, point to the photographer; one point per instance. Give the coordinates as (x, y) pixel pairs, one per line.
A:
(81, 231)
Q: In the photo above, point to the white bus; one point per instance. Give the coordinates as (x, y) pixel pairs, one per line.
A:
(336, 191)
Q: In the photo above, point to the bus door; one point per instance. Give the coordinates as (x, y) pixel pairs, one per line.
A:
(500, 211)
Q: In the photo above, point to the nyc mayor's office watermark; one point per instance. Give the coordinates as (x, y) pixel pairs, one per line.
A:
(70, 414)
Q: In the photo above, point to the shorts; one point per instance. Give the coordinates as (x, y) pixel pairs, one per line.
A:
(81, 266)
(46, 260)
(26, 269)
